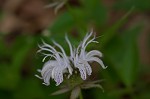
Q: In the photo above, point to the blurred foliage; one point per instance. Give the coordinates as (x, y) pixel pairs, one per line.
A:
(19, 60)
(138, 4)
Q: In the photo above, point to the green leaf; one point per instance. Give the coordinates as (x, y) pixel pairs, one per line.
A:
(10, 70)
(21, 50)
(63, 23)
(122, 52)
(140, 5)
(102, 95)
(112, 31)
(2, 48)
(8, 78)
(79, 18)
(29, 89)
(95, 12)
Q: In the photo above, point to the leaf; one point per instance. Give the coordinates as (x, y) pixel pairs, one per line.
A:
(79, 18)
(2, 48)
(96, 81)
(139, 5)
(30, 89)
(90, 85)
(63, 23)
(61, 91)
(95, 12)
(123, 55)
(11, 70)
(20, 51)
(101, 95)
(112, 31)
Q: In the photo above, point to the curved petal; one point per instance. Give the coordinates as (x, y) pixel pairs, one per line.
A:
(88, 68)
(52, 50)
(90, 41)
(70, 46)
(96, 59)
(48, 65)
(54, 72)
(55, 52)
(59, 46)
(47, 76)
(58, 77)
(94, 53)
(45, 49)
(70, 70)
(48, 71)
(49, 46)
(82, 72)
(85, 43)
(86, 38)
(48, 55)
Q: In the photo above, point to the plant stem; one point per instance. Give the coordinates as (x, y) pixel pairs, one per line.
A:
(81, 96)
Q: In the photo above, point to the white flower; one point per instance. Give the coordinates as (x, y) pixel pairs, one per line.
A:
(82, 58)
(54, 68)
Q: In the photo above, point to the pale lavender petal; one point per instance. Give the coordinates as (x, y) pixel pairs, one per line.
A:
(48, 65)
(86, 38)
(45, 49)
(46, 77)
(90, 41)
(54, 72)
(38, 76)
(82, 72)
(70, 70)
(54, 51)
(58, 76)
(96, 59)
(59, 46)
(94, 53)
(70, 46)
(88, 68)
(49, 46)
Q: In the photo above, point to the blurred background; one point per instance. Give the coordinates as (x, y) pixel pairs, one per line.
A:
(124, 30)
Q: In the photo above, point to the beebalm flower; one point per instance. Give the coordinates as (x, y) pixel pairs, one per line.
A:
(79, 58)
(82, 58)
(54, 68)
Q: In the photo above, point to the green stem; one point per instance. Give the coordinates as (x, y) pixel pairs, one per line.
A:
(81, 96)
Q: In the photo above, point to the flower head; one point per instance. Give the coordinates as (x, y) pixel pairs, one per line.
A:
(54, 68)
(79, 58)
(82, 57)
